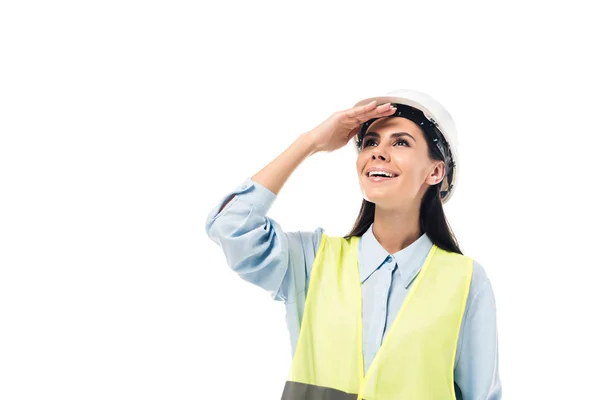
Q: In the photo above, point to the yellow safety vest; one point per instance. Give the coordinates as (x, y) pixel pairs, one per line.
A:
(415, 360)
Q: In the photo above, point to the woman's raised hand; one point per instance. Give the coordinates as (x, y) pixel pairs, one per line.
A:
(341, 126)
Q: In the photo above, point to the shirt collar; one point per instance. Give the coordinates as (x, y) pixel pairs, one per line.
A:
(408, 260)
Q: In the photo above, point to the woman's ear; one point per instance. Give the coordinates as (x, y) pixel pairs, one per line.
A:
(437, 173)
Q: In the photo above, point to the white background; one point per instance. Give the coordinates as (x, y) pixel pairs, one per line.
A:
(123, 123)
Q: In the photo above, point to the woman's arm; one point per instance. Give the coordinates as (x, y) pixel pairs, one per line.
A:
(277, 172)
(476, 372)
(255, 246)
(330, 135)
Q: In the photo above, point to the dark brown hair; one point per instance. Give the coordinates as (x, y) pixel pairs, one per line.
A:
(432, 219)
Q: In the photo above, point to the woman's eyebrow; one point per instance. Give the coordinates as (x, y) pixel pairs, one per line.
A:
(393, 135)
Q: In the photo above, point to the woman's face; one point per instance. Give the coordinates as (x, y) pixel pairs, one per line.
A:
(397, 145)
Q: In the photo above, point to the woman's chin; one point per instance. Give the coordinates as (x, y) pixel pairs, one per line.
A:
(384, 194)
(377, 195)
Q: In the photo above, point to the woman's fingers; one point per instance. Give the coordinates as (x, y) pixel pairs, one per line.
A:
(369, 111)
(354, 111)
(361, 110)
(384, 109)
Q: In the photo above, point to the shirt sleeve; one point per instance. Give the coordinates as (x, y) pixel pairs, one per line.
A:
(476, 371)
(256, 247)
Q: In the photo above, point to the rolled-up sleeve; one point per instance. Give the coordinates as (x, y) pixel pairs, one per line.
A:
(255, 246)
(476, 372)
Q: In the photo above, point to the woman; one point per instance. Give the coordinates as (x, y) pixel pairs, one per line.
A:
(394, 310)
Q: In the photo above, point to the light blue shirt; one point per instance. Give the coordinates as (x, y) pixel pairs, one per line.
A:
(263, 254)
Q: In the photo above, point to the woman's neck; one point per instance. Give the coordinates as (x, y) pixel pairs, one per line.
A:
(396, 229)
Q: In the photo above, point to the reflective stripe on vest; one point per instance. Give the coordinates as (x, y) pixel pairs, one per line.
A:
(415, 360)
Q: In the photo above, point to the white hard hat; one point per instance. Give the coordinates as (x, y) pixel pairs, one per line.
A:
(437, 124)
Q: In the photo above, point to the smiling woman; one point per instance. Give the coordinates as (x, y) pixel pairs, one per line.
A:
(421, 109)
(418, 159)
(393, 310)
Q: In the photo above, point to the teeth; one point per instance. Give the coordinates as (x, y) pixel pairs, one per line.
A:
(372, 173)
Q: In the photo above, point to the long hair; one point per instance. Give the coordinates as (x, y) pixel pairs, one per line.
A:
(432, 219)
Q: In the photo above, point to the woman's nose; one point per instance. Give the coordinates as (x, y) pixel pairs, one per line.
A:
(377, 154)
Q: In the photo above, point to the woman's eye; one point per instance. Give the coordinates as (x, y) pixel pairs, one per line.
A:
(368, 141)
(399, 141)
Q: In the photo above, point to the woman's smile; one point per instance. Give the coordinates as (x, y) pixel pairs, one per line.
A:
(380, 178)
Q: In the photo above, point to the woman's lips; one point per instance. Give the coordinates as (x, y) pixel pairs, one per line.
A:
(380, 178)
